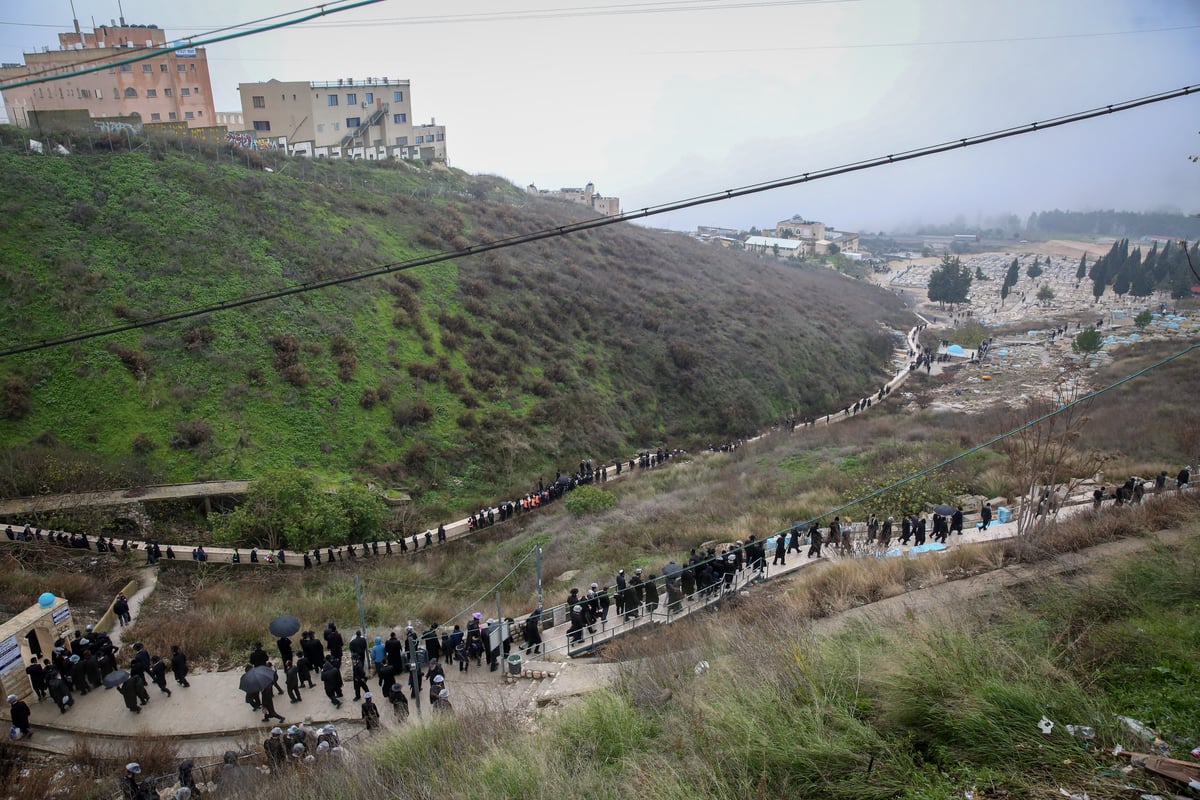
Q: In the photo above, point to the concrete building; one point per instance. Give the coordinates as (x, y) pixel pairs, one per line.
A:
(347, 118)
(173, 86)
(587, 196)
(780, 248)
(799, 228)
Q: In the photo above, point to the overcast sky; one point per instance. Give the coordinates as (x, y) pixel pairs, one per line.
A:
(658, 101)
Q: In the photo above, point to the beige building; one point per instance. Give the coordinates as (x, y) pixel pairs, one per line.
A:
(587, 196)
(347, 118)
(170, 87)
(780, 248)
(799, 228)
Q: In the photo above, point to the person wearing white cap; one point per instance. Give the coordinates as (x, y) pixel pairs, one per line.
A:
(276, 752)
(130, 789)
(19, 712)
(1183, 478)
(435, 687)
(442, 704)
(619, 592)
(578, 621)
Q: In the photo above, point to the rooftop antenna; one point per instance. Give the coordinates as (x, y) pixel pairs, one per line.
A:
(122, 13)
(75, 19)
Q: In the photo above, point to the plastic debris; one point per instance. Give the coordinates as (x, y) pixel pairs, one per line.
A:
(701, 667)
(1196, 752)
(1074, 795)
(1081, 731)
(1116, 751)
(1150, 797)
(1046, 726)
(1146, 733)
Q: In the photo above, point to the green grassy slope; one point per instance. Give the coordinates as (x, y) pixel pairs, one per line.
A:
(455, 379)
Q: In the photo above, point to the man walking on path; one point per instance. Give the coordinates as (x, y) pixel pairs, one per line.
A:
(986, 515)
(19, 712)
(266, 699)
(814, 537)
(179, 665)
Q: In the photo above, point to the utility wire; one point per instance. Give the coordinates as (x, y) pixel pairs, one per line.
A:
(592, 224)
(145, 54)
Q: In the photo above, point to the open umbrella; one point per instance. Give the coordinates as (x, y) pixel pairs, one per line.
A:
(257, 679)
(116, 678)
(944, 509)
(284, 626)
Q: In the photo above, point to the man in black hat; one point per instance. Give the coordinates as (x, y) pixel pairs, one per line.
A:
(179, 665)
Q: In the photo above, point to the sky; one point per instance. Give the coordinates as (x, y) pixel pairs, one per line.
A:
(658, 101)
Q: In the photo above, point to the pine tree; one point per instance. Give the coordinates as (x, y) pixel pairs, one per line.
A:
(1081, 273)
(1013, 274)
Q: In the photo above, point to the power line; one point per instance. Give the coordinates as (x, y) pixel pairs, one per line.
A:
(188, 42)
(592, 224)
(869, 46)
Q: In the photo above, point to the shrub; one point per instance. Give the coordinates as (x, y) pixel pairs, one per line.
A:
(143, 444)
(16, 402)
(368, 398)
(198, 338)
(192, 434)
(136, 361)
(589, 500)
(411, 412)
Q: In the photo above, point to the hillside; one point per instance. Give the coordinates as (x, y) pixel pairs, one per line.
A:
(461, 378)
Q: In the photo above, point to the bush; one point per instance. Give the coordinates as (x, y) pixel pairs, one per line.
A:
(198, 338)
(143, 444)
(192, 435)
(16, 403)
(589, 500)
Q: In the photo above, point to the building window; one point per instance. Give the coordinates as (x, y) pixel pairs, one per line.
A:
(193, 67)
(155, 116)
(130, 92)
(441, 137)
(199, 113)
(262, 124)
(353, 122)
(127, 68)
(399, 118)
(185, 92)
(164, 67)
(171, 115)
(116, 93)
(401, 140)
(369, 97)
(420, 140)
(168, 92)
(196, 90)
(151, 93)
(332, 100)
(147, 68)
(189, 115)
(182, 67)
(258, 101)
(397, 97)
(86, 93)
(351, 98)
(320, 127)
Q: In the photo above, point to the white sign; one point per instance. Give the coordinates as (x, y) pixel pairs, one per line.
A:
(10, 655)
(61, 614)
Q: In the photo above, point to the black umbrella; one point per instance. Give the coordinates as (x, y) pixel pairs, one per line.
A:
(257, 679)
(284, 626)
(944, 510)
(115, 678)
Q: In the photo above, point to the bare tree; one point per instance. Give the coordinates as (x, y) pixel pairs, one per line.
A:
(1045, 458)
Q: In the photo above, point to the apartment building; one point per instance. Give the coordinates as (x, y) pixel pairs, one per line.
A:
(344, 118)
(173, 86)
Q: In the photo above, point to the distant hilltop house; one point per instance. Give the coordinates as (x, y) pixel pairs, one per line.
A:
(172, 86)
(587, 196)
(370, 118)
(791, 238)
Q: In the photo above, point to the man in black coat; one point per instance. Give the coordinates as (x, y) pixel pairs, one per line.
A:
(285, 650)
(312, 648)
(19, 712)
(258, 656)
(331, 677)
(179, 665)
(333, 639)
(37, 677)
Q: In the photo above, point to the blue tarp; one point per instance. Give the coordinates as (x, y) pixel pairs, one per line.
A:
(955, 350)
